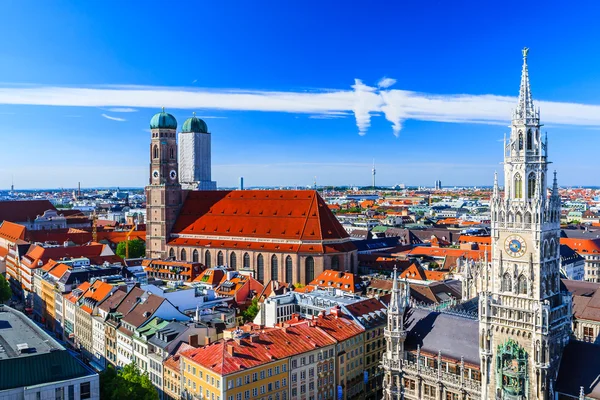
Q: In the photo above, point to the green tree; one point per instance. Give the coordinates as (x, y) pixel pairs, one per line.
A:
(5, 292)
(250, 313)
(128, 383)
(137, 248)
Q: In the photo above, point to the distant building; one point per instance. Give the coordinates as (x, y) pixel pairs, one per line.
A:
(35, 366)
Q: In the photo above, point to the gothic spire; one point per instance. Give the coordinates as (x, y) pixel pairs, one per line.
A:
(495, 193)
(525, 108)
(395, 298)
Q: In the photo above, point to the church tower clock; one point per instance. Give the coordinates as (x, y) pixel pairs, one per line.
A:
(163, 194)
(524, 318)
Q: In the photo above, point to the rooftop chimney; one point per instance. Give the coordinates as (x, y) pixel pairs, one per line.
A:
(193, 340)
(230, 350)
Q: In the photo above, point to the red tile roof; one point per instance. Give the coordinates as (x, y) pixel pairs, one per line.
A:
(582, 246)
(12, 231)
(23, 210)
(98, 291)
(278, 214)
(230, 356)
(345, 281)
(37, 253)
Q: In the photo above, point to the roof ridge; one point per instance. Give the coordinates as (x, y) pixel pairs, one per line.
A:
(307, 218)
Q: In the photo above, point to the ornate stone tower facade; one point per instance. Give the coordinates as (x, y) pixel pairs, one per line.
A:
(524, 319)
(395, 336)
(195, 156)
(163, 194)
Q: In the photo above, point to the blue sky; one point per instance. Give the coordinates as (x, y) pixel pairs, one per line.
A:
(277, 84)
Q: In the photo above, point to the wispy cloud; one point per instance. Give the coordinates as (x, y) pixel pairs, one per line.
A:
(363, 101)
(385, 82)
(121, 109)
(114, 118)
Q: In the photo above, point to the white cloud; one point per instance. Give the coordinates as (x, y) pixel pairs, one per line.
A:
(121, 109)
(114, 118)
(363, 101)
(385, 82)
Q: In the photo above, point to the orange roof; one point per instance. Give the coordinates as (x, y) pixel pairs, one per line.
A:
(261, 347)
(275, 214)
(414, 272)
(86, 309)
(98, 291)
(345, 281)
(37, 253)
(59, 270)
(583, 246)
(12, 231)
(211, 276)
(475, 239)
(445, 251)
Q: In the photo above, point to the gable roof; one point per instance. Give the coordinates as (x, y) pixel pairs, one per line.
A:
(276, 214)
(12, 231)
(346, 281)
(23, 210)
(144, 310)
(257, 348)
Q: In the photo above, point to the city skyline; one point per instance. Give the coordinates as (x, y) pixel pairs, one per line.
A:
(435, 110)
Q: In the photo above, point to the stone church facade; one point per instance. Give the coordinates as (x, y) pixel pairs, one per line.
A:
(518, 346)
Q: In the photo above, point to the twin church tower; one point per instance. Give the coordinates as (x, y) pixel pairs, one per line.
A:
(171, 171)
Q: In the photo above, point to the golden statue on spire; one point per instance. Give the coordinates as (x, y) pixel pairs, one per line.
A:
(525, 52)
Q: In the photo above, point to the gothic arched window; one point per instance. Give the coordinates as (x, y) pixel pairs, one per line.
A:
(527, 217)
(506, 283)
(155, 151)
(172, 253)
(552, 248)
(274, 268)
(260, 268)
(335, 263)
(519, 217)
(518, 186)
(233, 261)
(309, 269)
(529, 140)
(289, 272)
(195, 256)
(172, 153)
(207, 259)
(520, 140)
(522, 285)
(531, 185)
(246, 261)
(220, 260)
(183, 255)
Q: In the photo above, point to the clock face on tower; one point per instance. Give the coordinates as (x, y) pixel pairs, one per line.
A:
(155, 174)
(173, 174)
(515, 246)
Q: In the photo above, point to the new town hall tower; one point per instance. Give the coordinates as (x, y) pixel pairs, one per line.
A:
(513, 348)
(524, 320)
